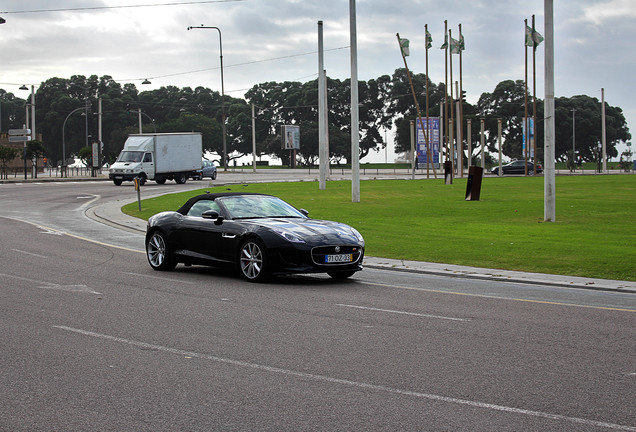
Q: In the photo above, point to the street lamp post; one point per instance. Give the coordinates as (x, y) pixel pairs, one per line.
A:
(573, 133)
(222, 91)
(63, 174)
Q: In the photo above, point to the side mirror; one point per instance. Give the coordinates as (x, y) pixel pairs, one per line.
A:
(213, 215)
(305, 212)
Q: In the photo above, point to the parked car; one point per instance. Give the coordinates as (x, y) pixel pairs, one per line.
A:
(260, 235)
(518, 167)
(208, 170)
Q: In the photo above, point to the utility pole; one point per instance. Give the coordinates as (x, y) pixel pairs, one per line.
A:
(549, 183)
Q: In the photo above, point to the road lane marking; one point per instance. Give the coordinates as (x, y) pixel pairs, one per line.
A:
(53, 286)
(29, 253)
(50, 230)
(91, 197)
(496, 297)
(402, 312)
(161, 278)
(350, 383)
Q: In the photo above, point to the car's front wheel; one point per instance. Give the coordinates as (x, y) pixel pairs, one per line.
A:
(253, 261)
(158, 252)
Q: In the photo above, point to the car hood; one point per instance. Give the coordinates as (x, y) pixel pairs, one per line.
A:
(329, 231)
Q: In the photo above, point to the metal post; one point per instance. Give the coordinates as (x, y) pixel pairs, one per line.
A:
(549, 212)
(499, 125)
(222, 91)
(603, 138)
(253, 140)
(322, 124)
(355, 138)
(483, 144)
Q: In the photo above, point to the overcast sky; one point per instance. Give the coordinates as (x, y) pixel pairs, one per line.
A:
(276, 40)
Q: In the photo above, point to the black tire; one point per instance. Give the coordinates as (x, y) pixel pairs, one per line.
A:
(117, 182)
(341, 274)
(252, 261)
(158, 252)
(214, 175)
(142, 179)
(181, 178)
(160, 180)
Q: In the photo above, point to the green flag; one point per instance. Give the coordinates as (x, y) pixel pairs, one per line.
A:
(454, 46)
(533, 37)
(404, 46)
(445, 44)
(429, 40)
(461, 43)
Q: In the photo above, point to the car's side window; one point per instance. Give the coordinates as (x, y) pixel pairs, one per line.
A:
(202, 206)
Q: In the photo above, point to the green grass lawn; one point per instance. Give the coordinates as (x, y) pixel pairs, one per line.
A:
(425, 220)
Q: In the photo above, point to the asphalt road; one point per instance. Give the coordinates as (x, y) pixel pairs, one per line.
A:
(93, 339)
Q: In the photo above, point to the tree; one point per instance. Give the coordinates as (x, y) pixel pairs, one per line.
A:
(7, 154)
(34, 151)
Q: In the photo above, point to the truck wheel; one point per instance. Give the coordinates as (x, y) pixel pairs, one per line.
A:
(142, 179)
(181, 178)
(160, 180)
(117, 182)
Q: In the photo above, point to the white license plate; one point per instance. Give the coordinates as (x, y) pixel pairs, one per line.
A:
(118, 177)
(342, 258)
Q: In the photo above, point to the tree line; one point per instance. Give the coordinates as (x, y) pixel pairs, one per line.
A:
(384, 103)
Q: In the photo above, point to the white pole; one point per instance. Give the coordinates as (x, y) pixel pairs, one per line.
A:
(33, 135)
(355, 139)
(483, 143)
(140, 126)
(253, 140)
(602, 130)
(412, 128)
(99, 134)
(469, 127)
(549, 183)
(499, 125)
(322, 136)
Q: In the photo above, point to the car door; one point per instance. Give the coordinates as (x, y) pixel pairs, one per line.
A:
(201, 237)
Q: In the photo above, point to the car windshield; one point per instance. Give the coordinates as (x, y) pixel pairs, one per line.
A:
(258, 206)
(130, 156)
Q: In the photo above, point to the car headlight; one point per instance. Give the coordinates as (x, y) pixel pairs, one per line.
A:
(288, 236)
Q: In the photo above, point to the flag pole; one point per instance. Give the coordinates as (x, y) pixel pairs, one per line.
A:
(460, 114)
(446, 143)
(525, 102)
(534, 98)
(417, 105)
(429, 155)
(452, 112)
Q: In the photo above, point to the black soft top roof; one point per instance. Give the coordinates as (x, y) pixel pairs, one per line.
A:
(211, 196)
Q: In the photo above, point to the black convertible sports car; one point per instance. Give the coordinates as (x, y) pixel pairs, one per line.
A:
(259, 234)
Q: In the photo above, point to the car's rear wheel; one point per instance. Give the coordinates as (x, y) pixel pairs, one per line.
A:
(253, 261)
(341, 274)
(158, 252)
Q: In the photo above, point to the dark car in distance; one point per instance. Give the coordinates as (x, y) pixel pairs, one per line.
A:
(208, 170)
(259, 235)
(518, 167)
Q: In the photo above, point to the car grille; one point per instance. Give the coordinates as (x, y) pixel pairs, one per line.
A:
(319, 254)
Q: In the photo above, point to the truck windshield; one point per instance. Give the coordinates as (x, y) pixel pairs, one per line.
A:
(130, 156)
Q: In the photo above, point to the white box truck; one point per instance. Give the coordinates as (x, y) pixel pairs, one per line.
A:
(158, 157)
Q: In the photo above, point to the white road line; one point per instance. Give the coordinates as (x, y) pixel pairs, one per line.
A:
(91, 197)
(161, 278)
(402, 312)
(362, 385)
(53, 286)
(29, 253)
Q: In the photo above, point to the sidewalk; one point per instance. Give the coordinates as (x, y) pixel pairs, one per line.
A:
(111, 214)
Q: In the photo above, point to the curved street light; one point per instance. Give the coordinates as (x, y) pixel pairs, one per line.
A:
(64, 140)
(222, 91)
